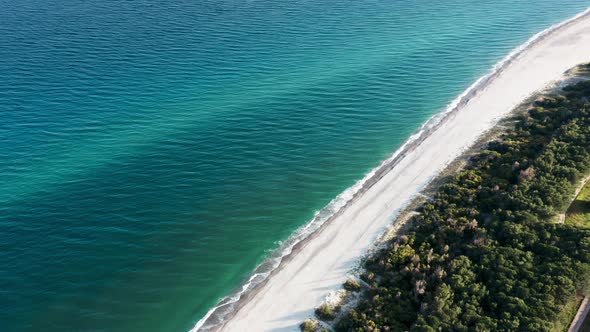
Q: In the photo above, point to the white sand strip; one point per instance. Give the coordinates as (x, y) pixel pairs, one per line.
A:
(323, 263)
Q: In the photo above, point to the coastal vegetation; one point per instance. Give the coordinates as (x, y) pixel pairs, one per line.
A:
(310, 325)
(485, 253)
(352, 285)
(327, 311)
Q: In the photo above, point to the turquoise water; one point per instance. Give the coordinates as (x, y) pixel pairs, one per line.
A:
(153, 153)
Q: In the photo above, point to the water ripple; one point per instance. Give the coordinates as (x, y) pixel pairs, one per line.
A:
(155, 152)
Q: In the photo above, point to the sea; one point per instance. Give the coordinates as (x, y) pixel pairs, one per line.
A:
(159, 157)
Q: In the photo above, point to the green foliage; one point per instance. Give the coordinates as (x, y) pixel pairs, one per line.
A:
(352, 285)
(326, 312)
(484, 255)
(310, 325)
(570, 310)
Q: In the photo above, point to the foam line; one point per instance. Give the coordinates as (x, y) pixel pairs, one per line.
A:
(227, 305)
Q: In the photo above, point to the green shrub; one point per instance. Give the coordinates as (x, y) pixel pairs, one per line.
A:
(309, 325)
(327, 312)
(352, 285)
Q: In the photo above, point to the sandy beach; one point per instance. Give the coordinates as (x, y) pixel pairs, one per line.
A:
(323, 262)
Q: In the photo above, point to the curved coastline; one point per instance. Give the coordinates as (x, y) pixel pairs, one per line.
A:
(218, 316)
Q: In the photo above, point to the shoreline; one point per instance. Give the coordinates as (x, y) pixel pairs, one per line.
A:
(252, 295)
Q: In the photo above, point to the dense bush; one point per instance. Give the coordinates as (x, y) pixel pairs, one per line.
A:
(486, 253)
(352, 285)
(309, 325)
(326, 312)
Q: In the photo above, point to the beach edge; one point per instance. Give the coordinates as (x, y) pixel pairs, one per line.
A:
(377, 174)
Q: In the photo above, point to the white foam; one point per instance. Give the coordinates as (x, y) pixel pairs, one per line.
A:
(265, 269)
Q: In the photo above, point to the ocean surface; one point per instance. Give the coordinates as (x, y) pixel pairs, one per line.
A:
(153, 153)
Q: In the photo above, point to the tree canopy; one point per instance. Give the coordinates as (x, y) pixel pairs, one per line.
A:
(485, 253)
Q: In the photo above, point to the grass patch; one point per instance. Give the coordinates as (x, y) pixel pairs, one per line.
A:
(578, 214)
(567, 316)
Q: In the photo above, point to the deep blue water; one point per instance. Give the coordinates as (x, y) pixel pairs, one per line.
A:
(153, 152)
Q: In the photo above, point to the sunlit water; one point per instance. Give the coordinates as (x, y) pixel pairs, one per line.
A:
(153, 153)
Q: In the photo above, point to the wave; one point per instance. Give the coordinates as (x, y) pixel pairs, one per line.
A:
(226, 306)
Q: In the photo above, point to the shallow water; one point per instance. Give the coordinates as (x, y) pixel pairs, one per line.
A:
(154, 152)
